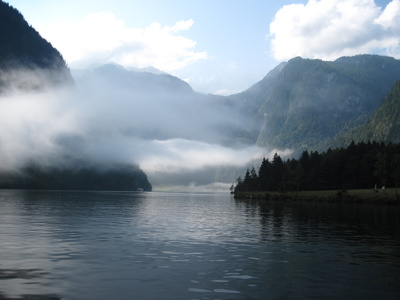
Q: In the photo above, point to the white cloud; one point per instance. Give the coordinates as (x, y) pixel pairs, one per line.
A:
(102, 38)
(390, 17)
(328, 29)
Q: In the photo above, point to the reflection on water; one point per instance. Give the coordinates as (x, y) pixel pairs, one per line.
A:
(110, 245)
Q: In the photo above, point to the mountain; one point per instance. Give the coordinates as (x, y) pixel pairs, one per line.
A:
(306, 103)
(249, 103)
(165, 108)
(27, 61)
(150, 69)
(384, 124)
(173, 107)
(136, 80)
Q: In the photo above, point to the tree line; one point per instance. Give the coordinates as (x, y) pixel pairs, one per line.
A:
(359, 166)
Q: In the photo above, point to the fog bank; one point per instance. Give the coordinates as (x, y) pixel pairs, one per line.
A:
(170, 131)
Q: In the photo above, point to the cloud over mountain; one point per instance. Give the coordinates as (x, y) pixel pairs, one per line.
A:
(113, 116)
(328, 29)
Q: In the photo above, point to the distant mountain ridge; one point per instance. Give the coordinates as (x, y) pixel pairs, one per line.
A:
(149, 80)
(150, 69)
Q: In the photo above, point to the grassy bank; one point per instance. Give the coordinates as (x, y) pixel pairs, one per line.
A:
(387, 196)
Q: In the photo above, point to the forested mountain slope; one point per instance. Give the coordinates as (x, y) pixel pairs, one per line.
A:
(27, 61)
(384, 124)
(310, 102)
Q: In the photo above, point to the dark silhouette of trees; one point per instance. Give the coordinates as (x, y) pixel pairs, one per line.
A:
(265, 174)
(116, 178)
(278, 169)
(361, 165)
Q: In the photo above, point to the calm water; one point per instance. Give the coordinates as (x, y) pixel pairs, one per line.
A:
(106, 245)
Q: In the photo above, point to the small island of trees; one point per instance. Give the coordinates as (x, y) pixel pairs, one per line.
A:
(369, 165)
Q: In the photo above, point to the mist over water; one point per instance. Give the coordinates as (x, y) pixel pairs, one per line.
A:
(104, 119)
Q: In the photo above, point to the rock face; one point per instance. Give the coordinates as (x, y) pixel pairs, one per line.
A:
(305, 104)
(27, 61)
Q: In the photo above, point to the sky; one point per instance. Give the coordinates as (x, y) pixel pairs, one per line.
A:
(217, 46)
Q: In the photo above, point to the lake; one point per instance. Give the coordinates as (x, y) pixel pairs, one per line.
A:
(127, 245)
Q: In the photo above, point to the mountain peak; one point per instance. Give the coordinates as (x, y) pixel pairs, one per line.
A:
(147, 79)
(149, 69)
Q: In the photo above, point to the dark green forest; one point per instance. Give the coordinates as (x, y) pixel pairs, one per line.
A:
(22, 49)
(359, 166)
(119, 178)
(22, 44)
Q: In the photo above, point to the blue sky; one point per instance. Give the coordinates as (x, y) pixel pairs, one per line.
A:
(218, 46)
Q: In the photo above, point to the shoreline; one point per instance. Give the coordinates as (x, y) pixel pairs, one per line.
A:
(361, 196)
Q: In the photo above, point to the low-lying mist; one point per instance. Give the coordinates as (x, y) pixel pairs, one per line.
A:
(177, 136)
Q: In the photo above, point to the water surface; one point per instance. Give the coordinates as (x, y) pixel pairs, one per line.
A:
(120, 245)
